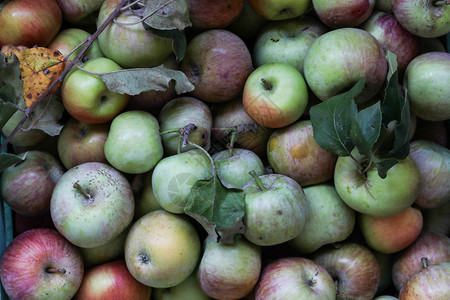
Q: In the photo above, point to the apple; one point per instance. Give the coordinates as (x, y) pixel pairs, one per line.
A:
(393, 37)
(329, 220)
(370, 194)
(211, 14)
(232, 114)
(27, 186)
(383, 5)
(68, 39)
(162, 249)
(92, 204)
(430, 283)
(293, 151)
(275, 95)
(425, 18)
(343, 13)
(217, 62)
(426, 80)
(247, 24)
(134, 144)
(86, 97)
(353, 267)
(433, 161)
(286, 41)
(275, 209)
(385, 297)
(280, 10)
(180, 112)
(188, 289)
(233, 166)
(29, 22)
(432, 246)
(229, 271)
(131, 46)
(435, 131)
(112, 280)
(79, 142)
(437, 219)
(391, 234)
(144, 198)
(75, 11)
(336, 60)
(174, 176)
(295, 278)
(41, 263)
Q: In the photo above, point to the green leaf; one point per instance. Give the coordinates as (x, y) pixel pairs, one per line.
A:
(135, 81)
(167, 15)
(332, 119)
(10, 77)
(383, 165)
(9, 159)
(178, 38)
(7, 106)
(46, 116)
(365, 129)
(218, 209)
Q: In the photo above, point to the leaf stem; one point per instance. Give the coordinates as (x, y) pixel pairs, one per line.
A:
(213, 167)
(257, 180)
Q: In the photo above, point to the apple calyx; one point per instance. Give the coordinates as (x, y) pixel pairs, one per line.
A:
(55, 270)
(257, 180)
(83, 192)
(144, 258)
(268, 86)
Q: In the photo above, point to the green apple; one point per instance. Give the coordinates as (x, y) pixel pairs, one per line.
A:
(286, 41)
(162, 249)
(87, 98)
(144, 198)
(131, 46)
(370, 194)
(174, 176)
(329, 219)
(275, 95)
(134, 143)
(281, 9)
(188, 289)
(247, 24)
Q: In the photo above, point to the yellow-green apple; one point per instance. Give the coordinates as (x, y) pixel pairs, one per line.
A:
(354, 268)
(336, 60)
(433, 161)
(343, 13)
(329, 220)
(435, 131)
(432, 246)
(188, 289)
(68, 39)
(134, 144)
(280, 10)
(77, 11)
(391, 234)
(180, 112)
(233, 166)
(79, 142)
(430, 283)
(40, 263)
(295, 278)
(232, 114)
(175, 175)
(286, 41)
(110, 251)
(27, 186)
(393, 37)
(29, 22)
(162, 249)
(383, 5)
(144, 198)
(293, 151)
(370, 194)
(212, 14)
(425, 18)
(229, 271)
(426, 81)
(111, 280)
(437, 219)
(275, 95)
(217, 62)
(247, 24)
(131, 46)
(87, 98)
(92, 204)
(276, 209)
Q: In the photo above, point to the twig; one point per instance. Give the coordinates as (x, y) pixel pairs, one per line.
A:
(147, 16)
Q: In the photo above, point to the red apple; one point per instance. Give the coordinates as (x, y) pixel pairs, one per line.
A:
(41, 262)
(112, 281)
(76, 10)
(29, 22)
(343, 13)
(210, 14)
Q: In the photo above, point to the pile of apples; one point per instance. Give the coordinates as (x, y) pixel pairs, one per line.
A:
(224, 190)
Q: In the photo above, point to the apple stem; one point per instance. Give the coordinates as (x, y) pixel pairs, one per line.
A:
(257, 180)
(424, 261)
(183, 135)
(80, 189)
(56, 270)
(267, 85)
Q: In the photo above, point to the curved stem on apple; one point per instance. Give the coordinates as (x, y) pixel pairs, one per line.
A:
(267, 85)
(82, 191)
(55, 270)
(257, 180)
